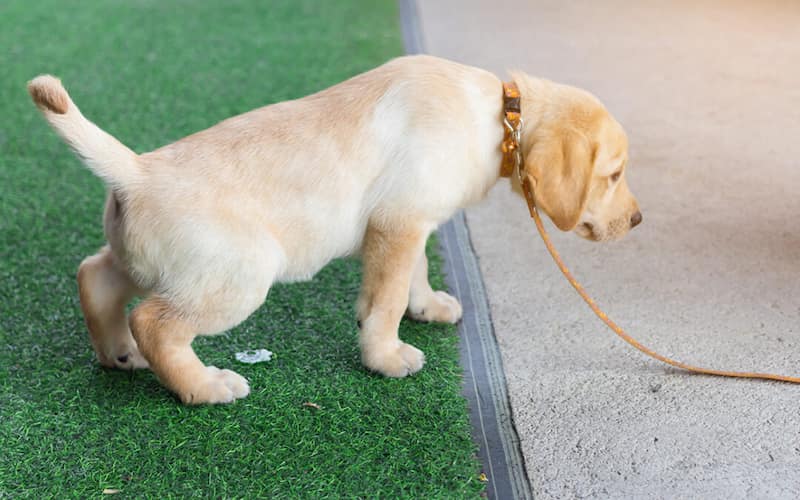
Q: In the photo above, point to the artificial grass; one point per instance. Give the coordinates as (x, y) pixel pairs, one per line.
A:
(151, 72)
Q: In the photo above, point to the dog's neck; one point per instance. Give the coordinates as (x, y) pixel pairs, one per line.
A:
(514, 147)
(535, 96)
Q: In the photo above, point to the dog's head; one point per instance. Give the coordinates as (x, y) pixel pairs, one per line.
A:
(576, 157)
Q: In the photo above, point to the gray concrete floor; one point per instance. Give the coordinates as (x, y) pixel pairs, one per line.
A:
(709, 92)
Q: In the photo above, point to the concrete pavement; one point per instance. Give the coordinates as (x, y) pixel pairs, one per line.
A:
(709, 92)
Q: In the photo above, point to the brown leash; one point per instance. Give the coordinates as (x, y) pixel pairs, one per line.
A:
(512, 154)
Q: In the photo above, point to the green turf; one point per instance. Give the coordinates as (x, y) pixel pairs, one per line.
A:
(150, 72)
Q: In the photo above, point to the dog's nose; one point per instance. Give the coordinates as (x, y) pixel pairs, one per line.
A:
(636, 219)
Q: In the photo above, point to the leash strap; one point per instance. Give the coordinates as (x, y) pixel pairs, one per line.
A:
(627, 338)
(531, 201)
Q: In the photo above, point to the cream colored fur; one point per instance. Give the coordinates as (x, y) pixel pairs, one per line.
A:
(202, 228)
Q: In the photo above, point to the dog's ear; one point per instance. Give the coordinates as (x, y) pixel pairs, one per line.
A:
(560, 170)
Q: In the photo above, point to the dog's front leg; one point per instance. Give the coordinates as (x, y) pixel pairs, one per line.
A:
(389, 256)
(425, 304)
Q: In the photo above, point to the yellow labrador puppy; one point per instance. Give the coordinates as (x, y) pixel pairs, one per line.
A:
(202, 228)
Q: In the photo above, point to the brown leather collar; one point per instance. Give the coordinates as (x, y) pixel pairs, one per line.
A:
(512, 124)
(512, 150)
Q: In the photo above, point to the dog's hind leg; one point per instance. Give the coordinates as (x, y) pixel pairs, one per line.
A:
(165, 337)
(211, 297)
(425, 304)
(105, 289)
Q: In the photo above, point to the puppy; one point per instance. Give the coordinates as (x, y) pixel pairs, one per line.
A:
(202, 228)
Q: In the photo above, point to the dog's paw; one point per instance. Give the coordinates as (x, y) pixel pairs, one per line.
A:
(132, 360)
(396, 360)
(439, 307)
(123, 357)
(218, 386)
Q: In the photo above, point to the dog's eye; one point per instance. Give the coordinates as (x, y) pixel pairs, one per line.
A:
(615, 176)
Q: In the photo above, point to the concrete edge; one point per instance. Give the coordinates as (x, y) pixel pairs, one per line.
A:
(484, 378)
(484, 384)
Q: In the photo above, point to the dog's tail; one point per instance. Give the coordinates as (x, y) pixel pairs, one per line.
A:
(109, 159)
